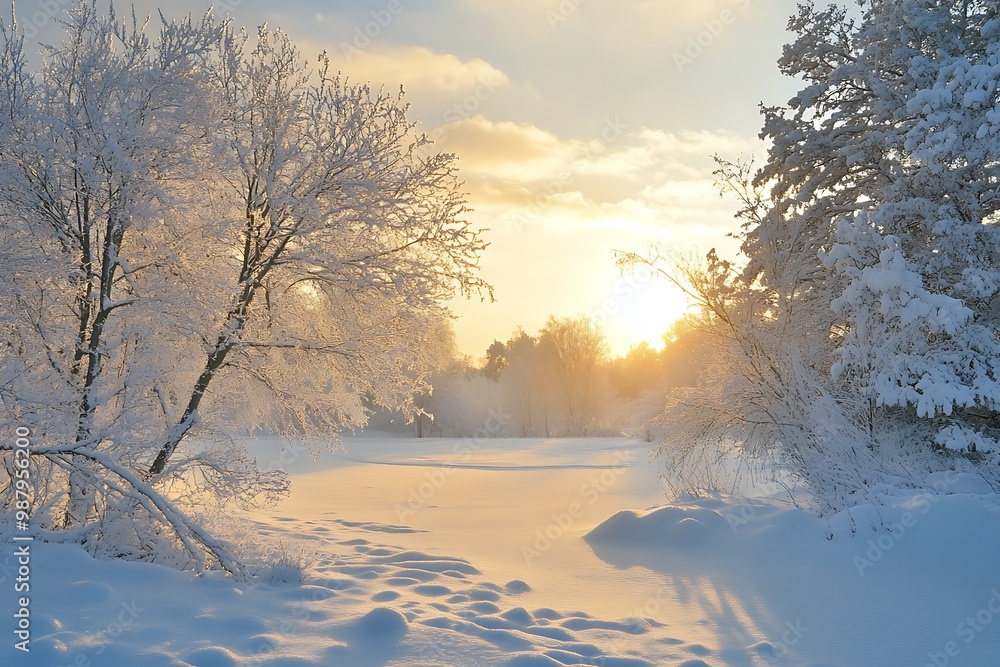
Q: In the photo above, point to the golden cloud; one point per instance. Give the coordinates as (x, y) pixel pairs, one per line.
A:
(420, 69)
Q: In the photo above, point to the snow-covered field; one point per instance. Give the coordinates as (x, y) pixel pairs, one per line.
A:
(538, 553)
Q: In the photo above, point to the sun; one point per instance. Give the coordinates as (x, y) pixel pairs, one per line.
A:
(644, 313)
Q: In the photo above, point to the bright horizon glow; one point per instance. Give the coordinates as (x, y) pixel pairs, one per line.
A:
(646, 316)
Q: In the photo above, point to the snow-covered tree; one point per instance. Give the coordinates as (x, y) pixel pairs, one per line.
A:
(575, 353)
(890, 155)
(526, 385)
(202, 235)
(862, 333)
(496, 361)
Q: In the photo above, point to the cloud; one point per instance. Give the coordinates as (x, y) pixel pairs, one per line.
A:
(419, 68)
(519, 165)
(517, 152)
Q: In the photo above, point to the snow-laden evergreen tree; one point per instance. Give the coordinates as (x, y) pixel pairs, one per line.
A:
(861, 338)
(890, 157)
(201, 235)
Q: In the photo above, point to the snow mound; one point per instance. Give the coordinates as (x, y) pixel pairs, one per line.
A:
(517, 587)
(382, 623)
(212, 656)
(664, 526)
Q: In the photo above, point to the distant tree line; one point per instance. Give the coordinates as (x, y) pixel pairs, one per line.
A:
(559, 382)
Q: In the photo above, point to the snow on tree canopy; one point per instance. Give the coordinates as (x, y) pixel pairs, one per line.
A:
(958, 438)
(861, 338)
(203, 236)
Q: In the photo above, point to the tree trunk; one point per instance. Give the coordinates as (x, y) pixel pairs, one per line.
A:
(215, 361)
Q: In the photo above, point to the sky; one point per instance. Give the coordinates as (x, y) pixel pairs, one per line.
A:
(582, 127)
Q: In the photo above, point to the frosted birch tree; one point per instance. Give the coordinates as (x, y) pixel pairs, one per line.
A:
(203, 235)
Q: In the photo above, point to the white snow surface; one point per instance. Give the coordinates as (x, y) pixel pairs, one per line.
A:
(539, 553)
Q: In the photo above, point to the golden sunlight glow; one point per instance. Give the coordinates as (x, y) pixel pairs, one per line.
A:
(644, 314)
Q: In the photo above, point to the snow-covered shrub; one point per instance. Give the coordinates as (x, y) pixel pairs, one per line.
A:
(287, 565)
(959, 438)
